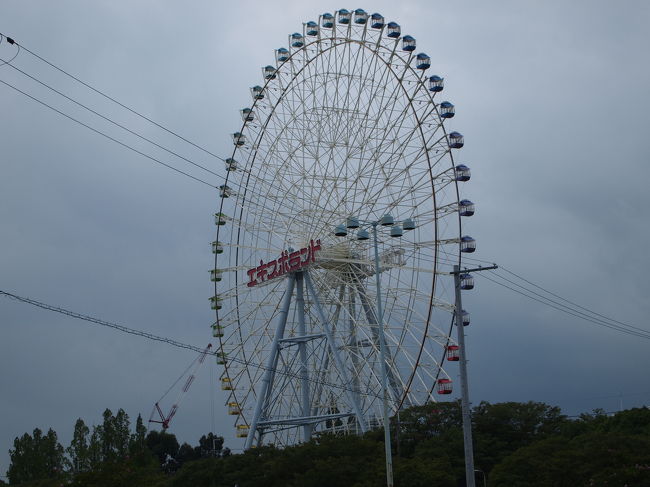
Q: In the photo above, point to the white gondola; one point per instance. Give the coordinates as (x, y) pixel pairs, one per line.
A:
(215, 275)
(247, 115)
(220, 219)
(225, 191)
(217, 330)
(217, 247)
(257, 92)
(268, 72)
(215, 302)
(231, 164)
(238, 139)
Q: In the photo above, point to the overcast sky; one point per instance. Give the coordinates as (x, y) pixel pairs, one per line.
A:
(551, 96)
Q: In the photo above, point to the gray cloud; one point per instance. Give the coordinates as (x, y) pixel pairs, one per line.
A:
(552, 98)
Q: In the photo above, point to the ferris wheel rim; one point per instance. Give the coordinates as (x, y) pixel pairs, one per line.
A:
(261, 134)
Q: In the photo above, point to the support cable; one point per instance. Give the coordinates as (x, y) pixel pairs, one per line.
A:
(174, 343)
(20, 46)
(117, 124)
(108, 136)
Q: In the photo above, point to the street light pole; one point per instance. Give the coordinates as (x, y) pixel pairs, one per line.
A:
(464, 386)
(382, 358)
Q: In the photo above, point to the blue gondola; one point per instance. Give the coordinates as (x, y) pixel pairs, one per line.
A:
(376, 21)
(257, 92)
(436, 83)
(297, 40)
(466, 281)
(344, 16)
(447, 109)
(466, 208)
(281, 55)
(360, 16)
(311, 28)
(393, 30)
(422, 61)
(456, 140)
(467, 244)
(327, 20)
(269, 72)
(408, 43)
(463, 173)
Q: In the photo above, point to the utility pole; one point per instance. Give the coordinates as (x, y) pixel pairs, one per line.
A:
(464, 386)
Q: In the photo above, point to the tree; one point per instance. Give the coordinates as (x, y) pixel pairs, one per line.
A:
(501, 429)
(187, 453)
(162, 445)
(35, 457)
(137, 441)
(95, 447)
(210, 445)
(591, 459)
(78, 451)
(121, 428)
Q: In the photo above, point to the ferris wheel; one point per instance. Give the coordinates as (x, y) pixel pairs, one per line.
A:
(338, 224)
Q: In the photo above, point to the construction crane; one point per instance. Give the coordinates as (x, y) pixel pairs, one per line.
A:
(165, 419)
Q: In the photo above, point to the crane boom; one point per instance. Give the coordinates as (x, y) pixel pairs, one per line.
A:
(165, 419)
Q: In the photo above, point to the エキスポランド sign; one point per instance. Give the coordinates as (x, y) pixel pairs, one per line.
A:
(289, 261)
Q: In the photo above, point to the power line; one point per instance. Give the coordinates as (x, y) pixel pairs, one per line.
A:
(108, 136)
(572, 303)
(174, 343)
(110, 120)
(565, 309)
(599, 318)
(99, 92)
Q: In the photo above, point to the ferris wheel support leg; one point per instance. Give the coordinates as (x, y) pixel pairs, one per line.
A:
(302, 349)
(271, 363)
(325, 361)
(335, 353)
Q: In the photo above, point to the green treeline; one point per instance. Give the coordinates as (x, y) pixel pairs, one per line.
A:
(515, 444)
